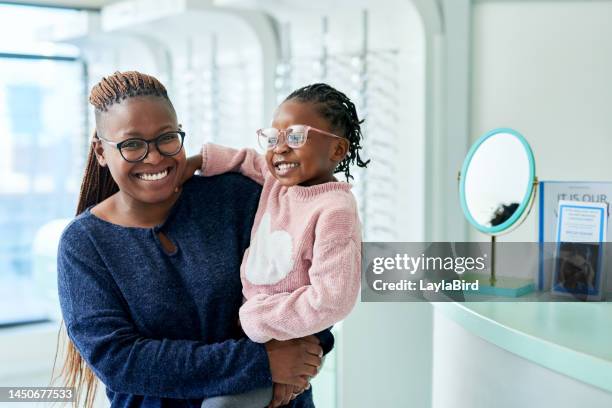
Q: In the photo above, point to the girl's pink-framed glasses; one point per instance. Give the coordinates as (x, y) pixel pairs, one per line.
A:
(295, 136)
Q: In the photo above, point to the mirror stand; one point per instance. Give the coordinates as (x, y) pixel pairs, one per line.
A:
(504, 285)
(497, 187)
(492, 279)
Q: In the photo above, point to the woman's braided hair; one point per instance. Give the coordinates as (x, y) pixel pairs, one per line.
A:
(98, 185)
(122, 85)
(338, 109)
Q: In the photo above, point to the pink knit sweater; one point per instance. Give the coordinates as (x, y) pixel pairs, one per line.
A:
(301, 272)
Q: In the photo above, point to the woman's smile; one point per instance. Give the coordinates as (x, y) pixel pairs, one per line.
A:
(154, 174)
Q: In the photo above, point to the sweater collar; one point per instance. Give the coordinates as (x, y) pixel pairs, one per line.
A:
(304, 193)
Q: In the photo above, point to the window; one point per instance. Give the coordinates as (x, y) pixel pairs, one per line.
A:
(42, 128)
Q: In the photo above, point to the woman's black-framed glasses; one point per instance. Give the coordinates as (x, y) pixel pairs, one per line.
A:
(136, 149)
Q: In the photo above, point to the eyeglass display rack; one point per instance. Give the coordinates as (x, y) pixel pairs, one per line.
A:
(216, 100)
(369, 78)
(219, 98)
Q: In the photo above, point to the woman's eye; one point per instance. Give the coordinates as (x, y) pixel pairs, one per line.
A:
(167, 138)
(131, 145)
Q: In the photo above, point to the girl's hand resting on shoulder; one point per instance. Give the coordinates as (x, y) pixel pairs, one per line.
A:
(194, 163)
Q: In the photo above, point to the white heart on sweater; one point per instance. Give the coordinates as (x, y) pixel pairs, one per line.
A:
(270, 255)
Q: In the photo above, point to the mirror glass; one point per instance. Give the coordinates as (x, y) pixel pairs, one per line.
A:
(497, 180)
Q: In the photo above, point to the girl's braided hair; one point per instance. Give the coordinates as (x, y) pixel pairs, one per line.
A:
(338, 109)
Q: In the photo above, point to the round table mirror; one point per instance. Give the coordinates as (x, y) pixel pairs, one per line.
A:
(497, 186)
(497, 181)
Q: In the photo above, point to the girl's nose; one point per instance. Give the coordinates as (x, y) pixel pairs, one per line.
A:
(281, 147)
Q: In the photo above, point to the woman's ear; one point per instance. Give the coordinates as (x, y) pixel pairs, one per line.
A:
(98, 149)
(340, 149)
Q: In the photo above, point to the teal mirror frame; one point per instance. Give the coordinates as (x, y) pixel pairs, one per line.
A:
(497, 229)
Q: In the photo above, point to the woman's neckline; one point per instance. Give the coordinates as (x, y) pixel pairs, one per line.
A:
(156, 227)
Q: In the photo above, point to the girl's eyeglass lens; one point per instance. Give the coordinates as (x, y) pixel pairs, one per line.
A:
(270, 137)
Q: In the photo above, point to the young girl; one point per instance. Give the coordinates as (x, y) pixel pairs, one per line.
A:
(301, 272)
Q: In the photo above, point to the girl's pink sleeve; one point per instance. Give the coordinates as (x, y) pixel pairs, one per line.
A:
(332, 293)
(218, 159)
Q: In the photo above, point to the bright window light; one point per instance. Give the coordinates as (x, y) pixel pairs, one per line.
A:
(42, 146)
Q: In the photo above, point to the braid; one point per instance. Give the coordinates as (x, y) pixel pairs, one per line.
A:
(338, 109)
(98, 185)
(123, 85)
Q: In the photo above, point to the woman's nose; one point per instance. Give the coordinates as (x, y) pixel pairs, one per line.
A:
(153, 156)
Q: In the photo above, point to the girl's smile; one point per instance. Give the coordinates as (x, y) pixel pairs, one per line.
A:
(283, 166)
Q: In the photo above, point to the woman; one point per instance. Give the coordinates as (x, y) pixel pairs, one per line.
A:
(148, 272)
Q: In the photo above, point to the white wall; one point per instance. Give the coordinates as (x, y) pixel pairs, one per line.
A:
(544, 68)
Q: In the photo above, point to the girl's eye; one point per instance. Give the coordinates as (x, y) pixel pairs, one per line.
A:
(295, 137)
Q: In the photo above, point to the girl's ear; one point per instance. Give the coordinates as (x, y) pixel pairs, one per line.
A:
(340, 149)
(98, 149)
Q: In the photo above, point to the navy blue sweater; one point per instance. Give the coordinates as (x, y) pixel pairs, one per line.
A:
(159, 329)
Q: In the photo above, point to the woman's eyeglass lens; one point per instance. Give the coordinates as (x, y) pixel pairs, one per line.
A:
(168, 144)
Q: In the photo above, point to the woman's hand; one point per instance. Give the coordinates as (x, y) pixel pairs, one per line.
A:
(294, 362)
(297, 391)
(283, 394)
